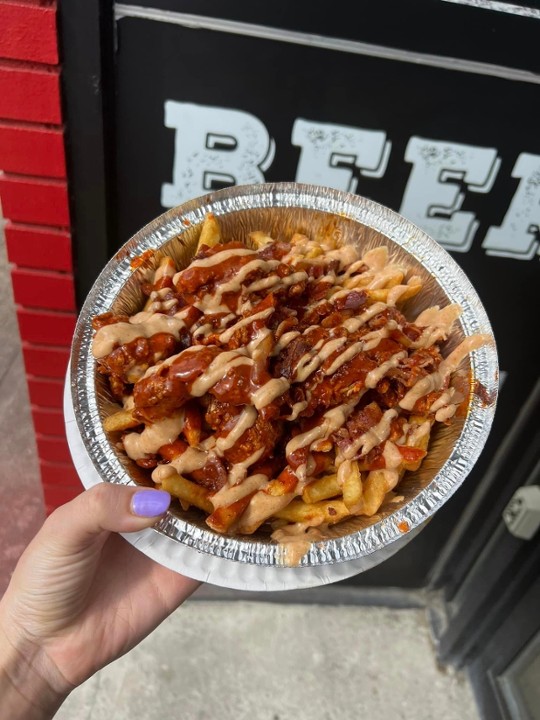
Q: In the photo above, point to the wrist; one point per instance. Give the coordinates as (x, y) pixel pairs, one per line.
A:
(27, 686)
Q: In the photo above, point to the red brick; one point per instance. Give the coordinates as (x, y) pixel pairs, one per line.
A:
(45, 393)
(36, 247)
(46, 328)
(43, 361)
(29, 33)
(32, 151)
(59, 474)
(49, 422)
(55, 496)
(43, 202)
(43, 289)
(32, 95)
(53, 449)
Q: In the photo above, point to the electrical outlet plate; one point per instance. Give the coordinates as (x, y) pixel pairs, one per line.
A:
(522, 514)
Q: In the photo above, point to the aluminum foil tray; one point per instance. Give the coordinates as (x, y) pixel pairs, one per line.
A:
(182, 540)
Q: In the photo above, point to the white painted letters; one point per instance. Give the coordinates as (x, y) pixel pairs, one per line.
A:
(518, 236)
(330, 153)
(433, 196)
(214, 147)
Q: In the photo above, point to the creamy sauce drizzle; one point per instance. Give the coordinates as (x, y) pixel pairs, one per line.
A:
(109, 336)
(230, 494)
(162, 432)
(436, 380)
(373, 437)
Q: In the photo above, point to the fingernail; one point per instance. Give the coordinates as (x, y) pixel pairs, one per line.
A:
(150, 503)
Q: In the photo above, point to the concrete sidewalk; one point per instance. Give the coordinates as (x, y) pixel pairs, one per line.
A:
(262, 661)
(21, 497)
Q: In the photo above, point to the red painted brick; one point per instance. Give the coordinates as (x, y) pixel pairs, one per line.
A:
(49, 422)
(32, 151)
(59, 474)
(53, 449)
(43, 202)
(29, 33)
(43, 289)
(46, 328)
(32, 95)
(36, 247)
(43, 361)
(45, 393)
(55, 496)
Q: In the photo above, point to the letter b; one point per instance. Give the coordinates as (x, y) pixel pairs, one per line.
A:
(214, 147)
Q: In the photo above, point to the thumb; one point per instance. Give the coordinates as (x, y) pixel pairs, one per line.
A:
(102, 509)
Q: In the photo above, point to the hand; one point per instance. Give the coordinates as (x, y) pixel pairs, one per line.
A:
(81, 596)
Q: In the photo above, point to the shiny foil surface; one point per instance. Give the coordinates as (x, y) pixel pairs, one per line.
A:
(280, 210)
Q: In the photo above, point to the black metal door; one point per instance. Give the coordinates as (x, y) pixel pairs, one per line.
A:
(143, 80)
(491, 582)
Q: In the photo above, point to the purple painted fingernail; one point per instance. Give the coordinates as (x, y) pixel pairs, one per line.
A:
(150, 503)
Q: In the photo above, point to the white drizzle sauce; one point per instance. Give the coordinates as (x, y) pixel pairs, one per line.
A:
(239, 470)
(159, 433)
(373, 338)
(246, 420)
(332, 420)
(217, 369)
(210, 302)
(215, 259)
(417, 433)
(170, 360)
(269, 391)
(296, 409)
(436, 380)
(392, 457)
(354, 324)
(377, 374)
(109, 336)
(372, 437)
(343, 471)
(262, 506)
(262, 315)
(190, 460)
(230, 494)
(351, 352)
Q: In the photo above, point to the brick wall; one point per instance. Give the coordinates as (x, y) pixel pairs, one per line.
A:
(33, 193)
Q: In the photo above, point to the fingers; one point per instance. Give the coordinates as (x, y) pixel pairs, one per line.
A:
(102, 509)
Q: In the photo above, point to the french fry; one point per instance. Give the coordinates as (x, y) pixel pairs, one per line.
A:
(210, 233)
(299, 239)
(375, 487)
(414, 286)
(398, 292)
(187, 491)
(192, 424)
(418, 441)
(326, 511)
(352, 488)
(121, 420)
(223, 518)
(322, 489)
(260, 239)
(285, 483)
(166, 268)
(261, 508)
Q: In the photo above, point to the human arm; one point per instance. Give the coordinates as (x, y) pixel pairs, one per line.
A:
(81, 596)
